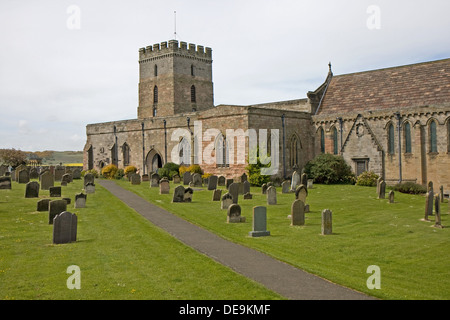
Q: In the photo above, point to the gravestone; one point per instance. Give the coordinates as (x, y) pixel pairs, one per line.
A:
(243, 177)
(234, 214)
(245, 187)
(34, 174)
(197, 179)
(80, 200)
(164, 186)
(42, 205)
(68, 201)
(301, 193)
(65, 228)
(59, 172)
(24, 176)
(187, 178)
(88, 178)
(326, 222)
(178, 194)
(47, 180)
(32, 189)
(429, 205)
(248, 196)
(304, 179)
(310, 184)
(135, 179)
(176, 178)
(145, 178)
(391, 196)
(188, 192)
(234, 191)
(382, 190)
(55, 207)
(63, 183)
(3, 170)
(17, 171)
(76, 174)
(378, 185)
(437, 212)
(227, 200)
(441, 193)
(271, 195)
(221, 181)
(89, 188)
(430, 186)
(264, 188)
(298, 213)
(437, 203)
(295, 180)
(217, 194)
(55, 191)
(212, 182)
(285, 187)
(228, 183)
(5, 183)
(67, 178)
(154, 180)
(259, 222)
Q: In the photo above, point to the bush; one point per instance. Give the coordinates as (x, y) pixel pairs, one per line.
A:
(254, 172)
(195, 168)
(329, 169)
(168, 170)
(409, 187)
(129, 170)
(109, 171)
(119, 174)
(92, 171)
(368, 179)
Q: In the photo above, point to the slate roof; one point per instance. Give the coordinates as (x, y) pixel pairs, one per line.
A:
(415, 85)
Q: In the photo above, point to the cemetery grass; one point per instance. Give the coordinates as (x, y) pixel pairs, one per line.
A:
(411, 254)
(120, 254)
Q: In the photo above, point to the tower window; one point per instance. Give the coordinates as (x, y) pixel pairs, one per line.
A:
(192, 70)
(155, 94)
(193, 96)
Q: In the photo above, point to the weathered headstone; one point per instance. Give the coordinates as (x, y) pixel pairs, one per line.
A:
(391, 196)
(34, 174)
(3, 169)
(178, 194)
(301, 193)
(264, 188)
(298, 213)
(187, 178)
(80, 200)
(59, 172)
(234, 191)
(310, 184)
(42, 205)
(47, 180)
(227, 200)
(55, 207)
(271, 195)
(228, 183)
(135, 179)
(326, 222)
(382, 190)
(295, 180)
(17, 171)
(5, 183)
(441, 193)
(378, 185)
(285, 187)
(67, 178)
(430, 186)
(89, 188)
(259, 222)
(197, 179)
(248, 196)
(76, 174)
(243, 177)
(154, 180)
(67, 200)
(217, 194)
(145, 177)
(24, 176)
(221, 181)
(429, 205)
(437, 212)
(234, 214)
(88, 178)
(245, 187)
(32, 189)
(164, 186)
(188, 192)
(65, 228)
(55, 191)
(176, 178)
(212, 182)
(304, 180)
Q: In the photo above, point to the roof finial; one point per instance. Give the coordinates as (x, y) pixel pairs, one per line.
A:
(329, 66)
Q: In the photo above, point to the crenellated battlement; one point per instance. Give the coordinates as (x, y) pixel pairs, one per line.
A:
(175, 47)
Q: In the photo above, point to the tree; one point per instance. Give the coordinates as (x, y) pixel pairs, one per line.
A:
(13, 157)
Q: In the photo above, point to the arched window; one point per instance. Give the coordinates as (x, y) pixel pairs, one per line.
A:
(126, 154)
(193, 97)
(433, 137)
(294, 150)
(155, 94)
(335, 141)
(407, 133)
(156, 70)
(222, 155)
(391, 135)
(322, 140)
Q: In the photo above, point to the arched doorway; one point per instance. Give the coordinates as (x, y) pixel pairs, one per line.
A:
(153, 161)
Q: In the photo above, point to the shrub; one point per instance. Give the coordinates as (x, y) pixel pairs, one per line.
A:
(195, 168)
(169, 170)
(119, 174)
(329, 169)
(206, 175)
(109, 171)
(129, 170)
(92, 171)
(254, 172)
(367, 178)
(409, 187)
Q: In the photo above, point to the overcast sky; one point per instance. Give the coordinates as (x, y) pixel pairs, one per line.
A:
(65, 64)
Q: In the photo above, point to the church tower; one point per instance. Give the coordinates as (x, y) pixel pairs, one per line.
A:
(174, 79)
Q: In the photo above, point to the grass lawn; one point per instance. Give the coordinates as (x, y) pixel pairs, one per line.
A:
(412, 255)
(120, 255)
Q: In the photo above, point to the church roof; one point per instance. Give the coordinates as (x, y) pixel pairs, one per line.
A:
(416, 85)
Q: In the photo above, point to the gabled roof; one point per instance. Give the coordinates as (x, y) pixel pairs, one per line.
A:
(416, 85)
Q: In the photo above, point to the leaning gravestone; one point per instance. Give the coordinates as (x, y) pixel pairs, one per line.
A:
(55, 191)
(227, 200)
(65, 228)
(391, 196)
(428, 205)
(301, 193)
(178, 194)
(271, 195)
(234, 191)
(47, 180)
(295, 180)
(437, 211)
(164, 186)
(234, 214)
(42, 205)
(298, 213)
(264, 188)
(55, 207)
(382, 190)
(217, 194)
(326, 222)
(259, 222)
(212, 182)
(5, 182)
(154, 180)
(32, 189)
(80, 200)
(378, 185)
(188, 192)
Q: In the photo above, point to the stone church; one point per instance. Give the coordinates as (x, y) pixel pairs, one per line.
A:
(393, 121)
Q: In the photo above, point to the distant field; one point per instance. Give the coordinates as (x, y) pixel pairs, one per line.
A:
(68, 158)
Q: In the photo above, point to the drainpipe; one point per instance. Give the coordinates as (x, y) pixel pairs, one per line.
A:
(192, 147)
(143, 148)
(116, 149)
(399, 128)
(165, 140)
(284, 147)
